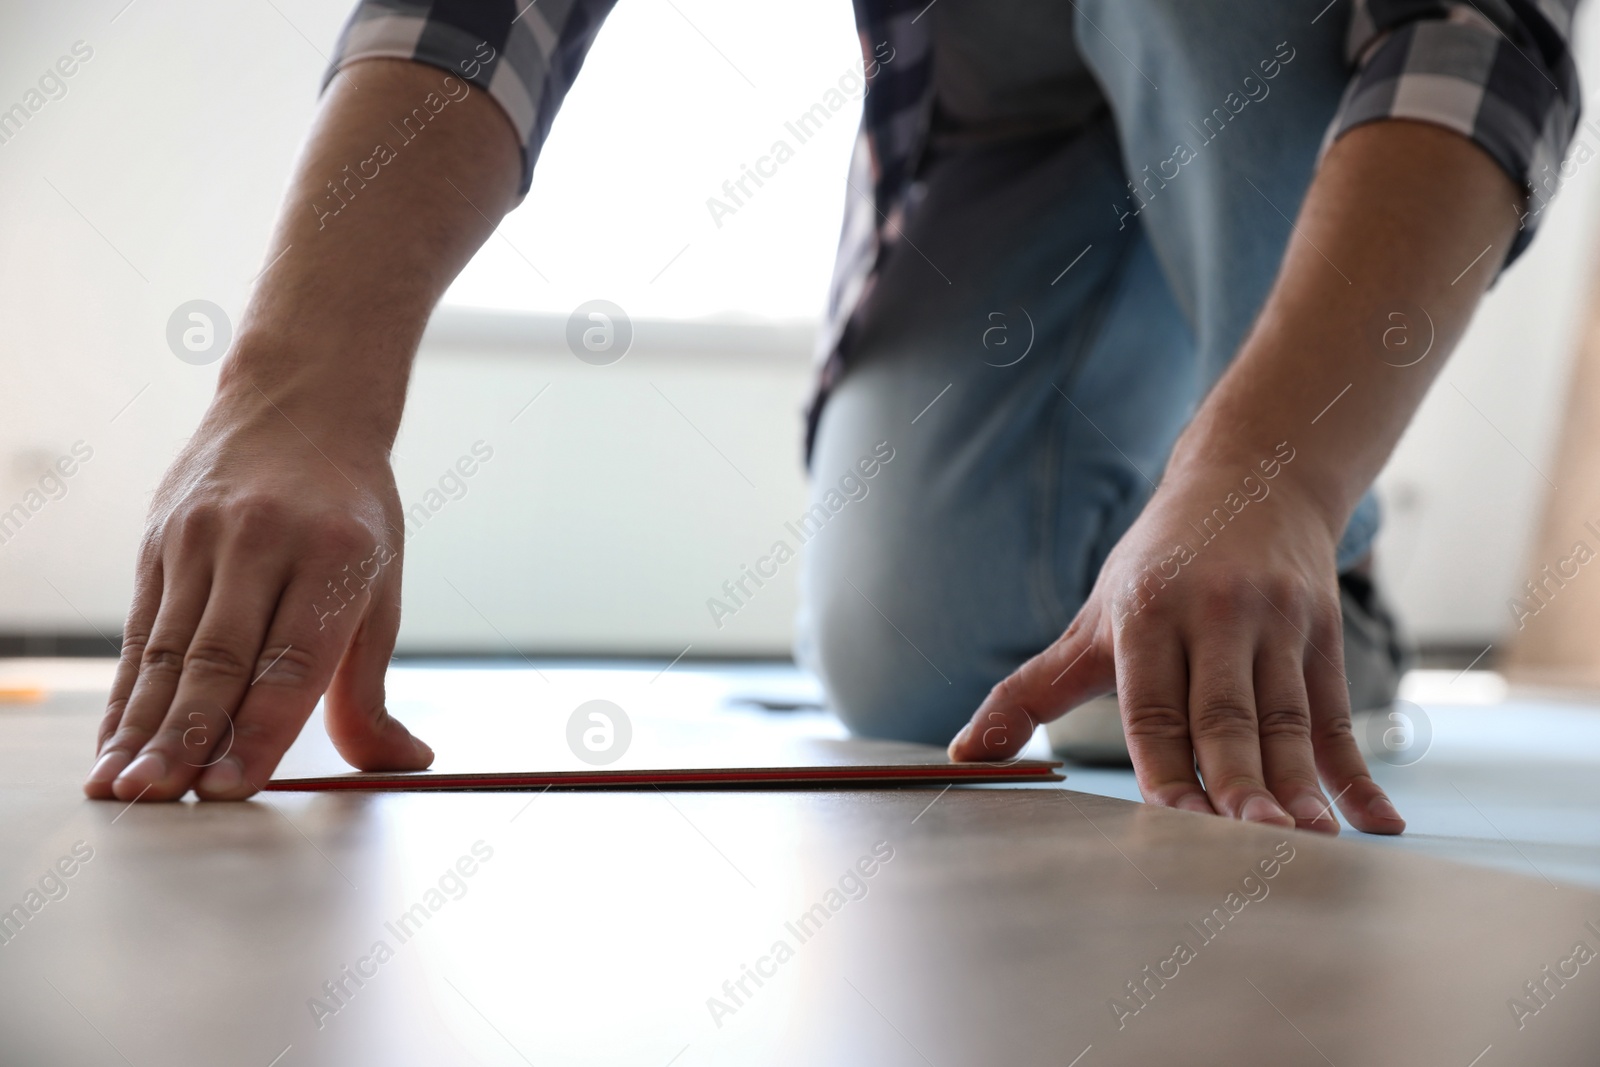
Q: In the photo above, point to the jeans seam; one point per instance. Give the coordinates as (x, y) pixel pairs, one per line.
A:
(1047, 590)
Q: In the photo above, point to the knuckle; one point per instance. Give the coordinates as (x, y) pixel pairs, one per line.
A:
(1156, 722)
(1235, 789)
(1284, 721)
(175, 739)
(1337, 728)
(1079, 623)
(134, 643)
(149, 558)
(1224, 713)
(1287, 591)
(354, 729)
(1004, 692)
(110, 721)
(257, 736)
(112, 715)
(1227, 598)
(1067, 665)
(159, 659)
(342, 536)
(1130, 612)
(194, 524)
(258, 524)
(209, 658)
(260, 511)
(290, 667)
(130, 737)
(1290, 783)
(1327, 622)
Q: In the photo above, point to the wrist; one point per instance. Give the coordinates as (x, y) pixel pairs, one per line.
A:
(1271, 464)
(318, 393)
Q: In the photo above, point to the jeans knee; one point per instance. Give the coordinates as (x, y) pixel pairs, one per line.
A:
(901, 680)
(1103, 19)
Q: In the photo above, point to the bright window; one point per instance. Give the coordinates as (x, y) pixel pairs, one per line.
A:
(678, 97)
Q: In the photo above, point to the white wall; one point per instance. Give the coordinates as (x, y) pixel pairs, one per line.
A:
(615, 505)
(605, 519)
(1465, 489)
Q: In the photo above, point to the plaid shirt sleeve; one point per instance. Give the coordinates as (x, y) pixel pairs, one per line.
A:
(525, 55)
(1497, 71)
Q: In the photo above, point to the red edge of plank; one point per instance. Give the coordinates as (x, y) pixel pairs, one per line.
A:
(1040, 771)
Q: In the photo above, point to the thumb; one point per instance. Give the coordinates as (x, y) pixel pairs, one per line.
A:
(357, 716)
(1076, 668)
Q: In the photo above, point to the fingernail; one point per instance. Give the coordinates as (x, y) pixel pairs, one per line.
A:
(424, 751)
(148, 769)
(224, 776)
(107, 767)
(1195, 802)
(1308, 808)
(959, 740)
(1262, 809)
(1380, 808)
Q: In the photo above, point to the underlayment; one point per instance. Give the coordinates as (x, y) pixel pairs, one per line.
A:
(1512, 784)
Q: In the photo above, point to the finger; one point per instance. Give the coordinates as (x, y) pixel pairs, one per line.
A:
(1283, 716)
(1339, 759)
(135, 638)
(303, 647)
(358, 718)
(1075, 668)
(1153, 693)
(183, 601)
(218, 666)
(1222, 722)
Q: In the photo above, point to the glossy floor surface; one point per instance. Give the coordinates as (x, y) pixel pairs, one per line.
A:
(973, 925)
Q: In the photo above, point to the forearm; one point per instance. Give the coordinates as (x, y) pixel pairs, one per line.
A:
(1394, 217)
(372, 231)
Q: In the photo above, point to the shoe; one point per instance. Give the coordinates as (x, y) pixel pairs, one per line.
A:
(1376, 655)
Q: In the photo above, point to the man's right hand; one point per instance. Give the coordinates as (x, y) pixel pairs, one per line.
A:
(269, 573)
(270, 570)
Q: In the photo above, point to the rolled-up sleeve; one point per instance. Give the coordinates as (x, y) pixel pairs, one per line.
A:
(1497, 71)
(525, 55)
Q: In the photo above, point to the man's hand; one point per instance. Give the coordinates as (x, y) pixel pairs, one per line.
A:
(1232, 660)
(267, 573)
(1230, 656)
(270, 570)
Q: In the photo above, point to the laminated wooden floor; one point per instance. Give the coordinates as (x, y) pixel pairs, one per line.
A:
(944, 926)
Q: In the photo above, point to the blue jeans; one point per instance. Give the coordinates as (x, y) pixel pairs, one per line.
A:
(1037, 342)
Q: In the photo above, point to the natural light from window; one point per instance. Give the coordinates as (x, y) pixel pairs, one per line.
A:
(676, 98)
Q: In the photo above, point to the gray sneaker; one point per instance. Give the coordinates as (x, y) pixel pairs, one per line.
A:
(1376, 655)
